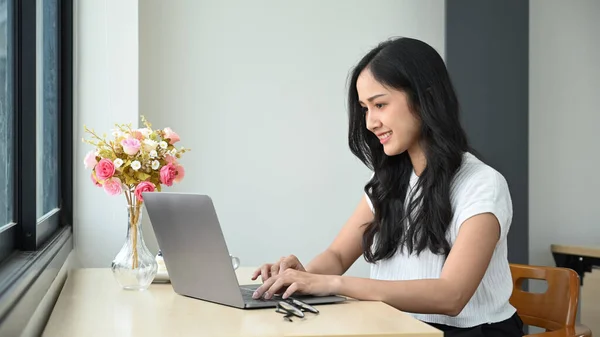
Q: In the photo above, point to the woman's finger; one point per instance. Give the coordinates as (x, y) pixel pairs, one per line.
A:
(275, 287)
(265, 272)
(256, 273)
(290, 290)
(261, 290)
(275, 269)
(283, 265)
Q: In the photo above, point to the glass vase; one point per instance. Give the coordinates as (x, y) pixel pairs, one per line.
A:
(134, 267)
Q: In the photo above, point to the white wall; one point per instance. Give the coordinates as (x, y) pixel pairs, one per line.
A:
(564, 120)
(106, 92)
(257, 89)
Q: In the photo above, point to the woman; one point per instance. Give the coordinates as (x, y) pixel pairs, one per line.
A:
(434, 219)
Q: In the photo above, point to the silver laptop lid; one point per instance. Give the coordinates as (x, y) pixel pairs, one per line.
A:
(190, 237)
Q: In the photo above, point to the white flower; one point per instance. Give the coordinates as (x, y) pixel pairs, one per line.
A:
(163, 144)
(136, 165)
(153, 154)
(118, 162)
(150, 145)
(116, 133)
(145, 131)
(173, 152)
(155, 164)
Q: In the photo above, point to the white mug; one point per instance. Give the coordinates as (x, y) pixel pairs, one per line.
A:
(235, 261)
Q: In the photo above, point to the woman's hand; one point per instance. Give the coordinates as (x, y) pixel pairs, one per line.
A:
(297, 281)
(269, 270)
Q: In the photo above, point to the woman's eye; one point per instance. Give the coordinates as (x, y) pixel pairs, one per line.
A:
(379, 106)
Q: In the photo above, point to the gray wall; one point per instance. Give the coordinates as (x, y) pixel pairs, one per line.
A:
(487, 57)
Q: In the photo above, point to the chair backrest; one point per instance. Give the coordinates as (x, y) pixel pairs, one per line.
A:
(552, 310)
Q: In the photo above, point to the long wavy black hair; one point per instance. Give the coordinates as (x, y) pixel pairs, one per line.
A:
(420, 222)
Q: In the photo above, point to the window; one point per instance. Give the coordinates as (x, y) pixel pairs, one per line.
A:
(35, 149)
(47, 106)
(6, 119)
(7, 151)
(36, 127)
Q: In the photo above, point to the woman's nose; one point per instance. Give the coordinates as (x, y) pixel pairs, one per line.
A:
(372, 122)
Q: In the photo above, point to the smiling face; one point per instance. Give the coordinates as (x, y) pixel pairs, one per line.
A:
(387, 115)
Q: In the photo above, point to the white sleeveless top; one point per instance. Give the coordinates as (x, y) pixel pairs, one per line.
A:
(477, 188)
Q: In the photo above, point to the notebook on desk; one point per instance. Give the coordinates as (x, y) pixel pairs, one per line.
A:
(189, 235)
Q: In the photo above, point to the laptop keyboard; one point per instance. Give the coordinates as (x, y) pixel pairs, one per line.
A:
(247, 296)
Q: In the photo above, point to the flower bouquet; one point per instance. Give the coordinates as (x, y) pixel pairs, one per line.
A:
(132, 162)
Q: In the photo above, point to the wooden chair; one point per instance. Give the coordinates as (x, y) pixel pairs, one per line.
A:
(553, 310)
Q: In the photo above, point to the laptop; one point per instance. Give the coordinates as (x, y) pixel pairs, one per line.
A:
(189, 235)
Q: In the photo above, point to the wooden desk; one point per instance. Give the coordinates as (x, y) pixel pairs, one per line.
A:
(583, 260)
(580, 259)
(92, 304)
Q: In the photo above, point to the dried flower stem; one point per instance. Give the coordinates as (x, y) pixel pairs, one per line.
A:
(134, 220)
(134, 209)
(101, 140)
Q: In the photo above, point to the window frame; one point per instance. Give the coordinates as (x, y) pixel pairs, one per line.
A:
(33, 231)
(32, 246)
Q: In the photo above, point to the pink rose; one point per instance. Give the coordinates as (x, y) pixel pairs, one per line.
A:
(168, 173)
(170, 159)
(90, 160)
(171, 135)
(95, 181)
(113, 186)
(180, 173)
(137, 135)
(144, 186)
(131, 146)
(105, 169)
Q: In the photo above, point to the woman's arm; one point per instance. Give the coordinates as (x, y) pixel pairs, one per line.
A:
(462, 272)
